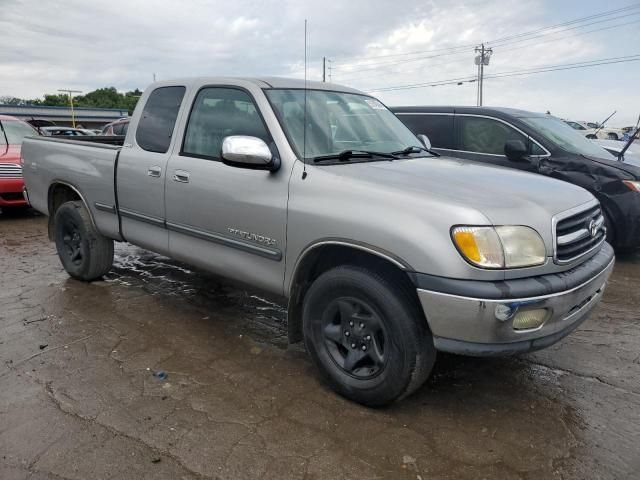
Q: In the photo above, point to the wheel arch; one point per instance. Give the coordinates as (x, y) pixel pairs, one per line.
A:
(324, 255)
(61, 192)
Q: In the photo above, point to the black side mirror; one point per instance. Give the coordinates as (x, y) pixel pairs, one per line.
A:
(516, 151)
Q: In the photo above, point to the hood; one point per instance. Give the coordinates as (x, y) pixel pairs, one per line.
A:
(630, 165)
(490, 189)
(10, 154)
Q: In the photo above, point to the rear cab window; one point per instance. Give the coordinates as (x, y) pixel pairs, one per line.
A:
(158, 119)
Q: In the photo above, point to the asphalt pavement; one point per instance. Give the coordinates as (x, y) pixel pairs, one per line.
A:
(164, 371)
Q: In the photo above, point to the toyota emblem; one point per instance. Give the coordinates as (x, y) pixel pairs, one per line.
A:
(593, 228)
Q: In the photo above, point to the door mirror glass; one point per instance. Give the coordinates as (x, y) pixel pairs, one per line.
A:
(247, 152)
(425, 141)
(515, 150)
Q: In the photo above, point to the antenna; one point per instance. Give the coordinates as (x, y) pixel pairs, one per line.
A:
(304, 127)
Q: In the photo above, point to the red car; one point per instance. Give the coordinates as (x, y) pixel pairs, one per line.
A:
(12, 131)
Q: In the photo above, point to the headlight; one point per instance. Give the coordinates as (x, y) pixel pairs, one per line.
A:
(500, 247)
(633, 185)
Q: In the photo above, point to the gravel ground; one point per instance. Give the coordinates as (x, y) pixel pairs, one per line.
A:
(162, 371)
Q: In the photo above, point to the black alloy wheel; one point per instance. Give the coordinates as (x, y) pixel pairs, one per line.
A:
(84, 252)
(355, 337)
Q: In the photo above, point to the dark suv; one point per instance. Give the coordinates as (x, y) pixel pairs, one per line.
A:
(538, 143)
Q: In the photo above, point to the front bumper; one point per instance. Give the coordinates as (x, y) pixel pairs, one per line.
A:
(462, 313)
(11, 192)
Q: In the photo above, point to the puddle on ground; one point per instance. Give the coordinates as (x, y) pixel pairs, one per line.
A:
(264, 318)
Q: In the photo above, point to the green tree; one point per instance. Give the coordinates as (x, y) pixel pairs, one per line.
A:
(106, 97)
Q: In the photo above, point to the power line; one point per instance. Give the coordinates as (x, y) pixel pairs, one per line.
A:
(570, 22)
(418, 52)
(496, 42)
(513, 73)
(398, 62)
(561, 31)
(609, 27)
(531, 32)
(564, 67)
(359, 77)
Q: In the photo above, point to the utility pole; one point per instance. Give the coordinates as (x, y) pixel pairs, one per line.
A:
(481, 60)
(326, 65)
(70, 93)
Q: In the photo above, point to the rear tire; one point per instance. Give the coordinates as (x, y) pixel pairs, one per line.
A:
(84, 252)
(367, 335)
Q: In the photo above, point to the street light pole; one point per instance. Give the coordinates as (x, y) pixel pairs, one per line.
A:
(70, 93)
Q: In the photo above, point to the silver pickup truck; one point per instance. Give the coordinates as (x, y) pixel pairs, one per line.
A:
(321, 195)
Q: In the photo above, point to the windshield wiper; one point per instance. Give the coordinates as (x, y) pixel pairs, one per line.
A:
(347, 155)
(415, 149)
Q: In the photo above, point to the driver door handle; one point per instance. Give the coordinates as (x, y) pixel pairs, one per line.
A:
(181, 176)
(154, 171)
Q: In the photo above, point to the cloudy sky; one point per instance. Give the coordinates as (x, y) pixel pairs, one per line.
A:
(373, 45)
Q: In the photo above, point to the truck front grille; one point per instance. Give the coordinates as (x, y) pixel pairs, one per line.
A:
(579, 233)
(10, 170)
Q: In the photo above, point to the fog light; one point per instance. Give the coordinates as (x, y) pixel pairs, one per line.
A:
(529, 319)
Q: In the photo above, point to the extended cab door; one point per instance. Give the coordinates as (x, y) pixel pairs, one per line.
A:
(483, 138)
(142, 169)
(223, 218)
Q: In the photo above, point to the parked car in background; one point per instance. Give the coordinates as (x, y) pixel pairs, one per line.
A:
(38, 123)
(12, 132)
(594, 130)
(628, 131)
(539, 143)
(88, 131)
(385, 252)
(119, 127)
(63, 131)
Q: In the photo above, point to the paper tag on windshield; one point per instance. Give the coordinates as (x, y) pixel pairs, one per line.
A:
(375, 104)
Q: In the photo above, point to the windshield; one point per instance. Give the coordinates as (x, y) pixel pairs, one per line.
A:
(337, 122)
(15, 131)
(565, 137)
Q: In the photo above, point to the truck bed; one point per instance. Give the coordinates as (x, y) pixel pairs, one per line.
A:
(88, 165)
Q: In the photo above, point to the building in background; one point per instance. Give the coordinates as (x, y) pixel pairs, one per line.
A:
(39, 115)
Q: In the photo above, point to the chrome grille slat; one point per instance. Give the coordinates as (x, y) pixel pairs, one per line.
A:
(569, 224)
(574, 234)
(10, 170)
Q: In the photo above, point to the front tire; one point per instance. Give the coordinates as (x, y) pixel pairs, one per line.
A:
(84, 252)
(612, 136)
(367, 335)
